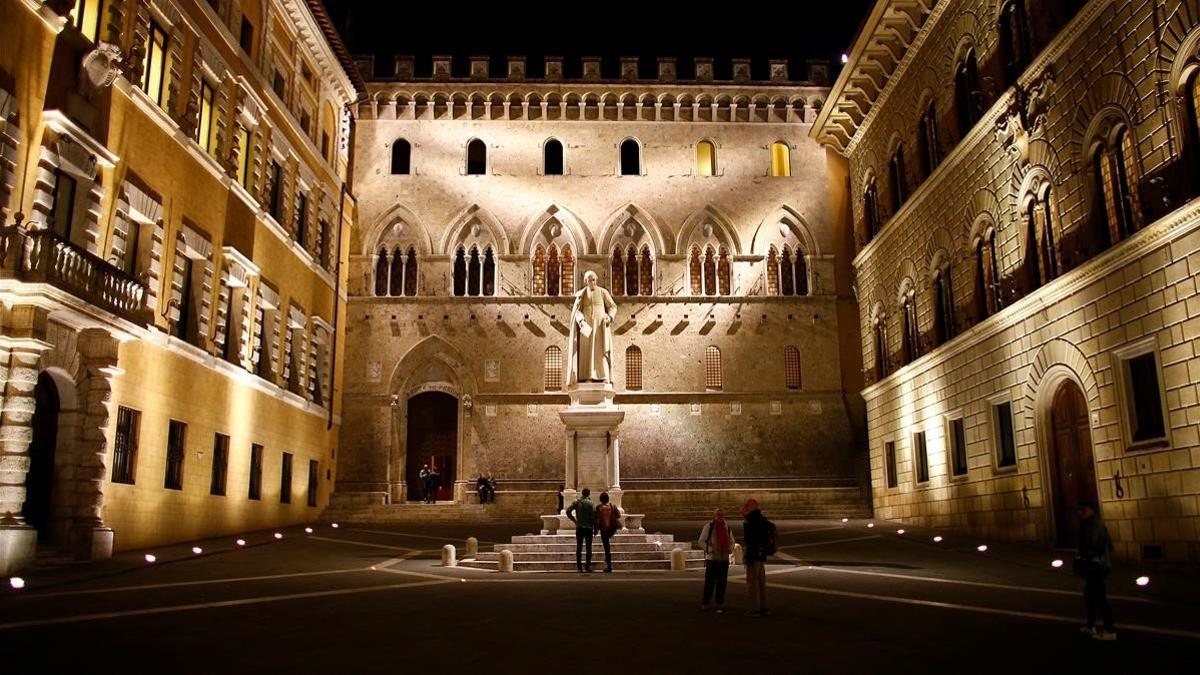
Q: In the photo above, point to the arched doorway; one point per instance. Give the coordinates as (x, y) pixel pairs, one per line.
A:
(431, 438)
(39, 481)
(1071, 464)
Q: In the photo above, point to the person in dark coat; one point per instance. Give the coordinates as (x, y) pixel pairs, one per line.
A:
(491, 488)
(432, 482)
(1093, 563)
(424, 478)
(560, 498)
(481, 489)
(760, 541)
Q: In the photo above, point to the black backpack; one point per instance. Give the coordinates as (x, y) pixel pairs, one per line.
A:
(771, 543)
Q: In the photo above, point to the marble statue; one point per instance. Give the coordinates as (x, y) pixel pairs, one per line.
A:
(590, 350)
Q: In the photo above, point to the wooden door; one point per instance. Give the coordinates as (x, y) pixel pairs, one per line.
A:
(1072, 466)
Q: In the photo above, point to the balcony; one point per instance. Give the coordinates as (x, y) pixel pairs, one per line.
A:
(41, 256)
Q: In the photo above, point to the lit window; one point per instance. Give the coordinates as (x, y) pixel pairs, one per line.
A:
(154, 64)
(243, 149)
(125, 445)
(706, 159)
(204, 127)
(713, 378)
(781, 160)
(553, 369)
(88, 17)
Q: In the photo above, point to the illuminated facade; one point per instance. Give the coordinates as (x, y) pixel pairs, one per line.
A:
(701, 204)
(1024, 177)
(173, 214)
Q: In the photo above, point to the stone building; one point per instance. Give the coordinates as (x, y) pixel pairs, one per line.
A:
(701, 204)
(1023, 177)
(174, 222)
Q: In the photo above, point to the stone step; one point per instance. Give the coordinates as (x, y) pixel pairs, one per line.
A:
(558, 566)
(569, 538)
(570, 548)
(565, 556)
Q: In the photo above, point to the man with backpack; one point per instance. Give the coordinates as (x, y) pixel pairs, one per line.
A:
(583, 513)
(608, 521)
(717, 540)
(761, 543)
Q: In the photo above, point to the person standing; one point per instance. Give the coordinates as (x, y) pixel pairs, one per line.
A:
(608, 521)
(560, 499)
(424, 477)
(432, 483)
(583, 513)
(717, 540)
(761, 540)
(1092, 562)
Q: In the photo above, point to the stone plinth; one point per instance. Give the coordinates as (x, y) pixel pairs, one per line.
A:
(592, 448)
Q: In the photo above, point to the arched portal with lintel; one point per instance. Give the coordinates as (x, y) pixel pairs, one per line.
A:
(431, 390)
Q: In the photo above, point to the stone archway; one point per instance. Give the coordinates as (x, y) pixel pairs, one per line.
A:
(1070, 463)
(431, 440)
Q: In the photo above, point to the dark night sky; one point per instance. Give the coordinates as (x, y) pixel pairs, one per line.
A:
(796, 30)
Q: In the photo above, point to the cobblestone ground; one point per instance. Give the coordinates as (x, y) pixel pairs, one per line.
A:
(845, 597)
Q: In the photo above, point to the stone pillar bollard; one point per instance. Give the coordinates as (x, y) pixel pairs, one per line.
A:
(472, 548)
(448, 556)
(506, 561)
(739, 555)
(677, 561)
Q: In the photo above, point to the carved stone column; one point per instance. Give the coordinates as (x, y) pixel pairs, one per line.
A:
(133, 64)
(20, 350)
(89, 538)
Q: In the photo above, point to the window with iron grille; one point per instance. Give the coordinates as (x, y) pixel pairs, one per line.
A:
(889, 458)
(1007, 443)
(256, 468)
(125, 445)
(791, 367)
(554, 365)
(712, 368)
(958, 447)
(220, 464)
(175, 452)
(921, 457)
(633, 368)
(285, 479)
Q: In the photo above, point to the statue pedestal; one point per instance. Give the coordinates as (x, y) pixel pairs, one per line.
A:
(593, 450)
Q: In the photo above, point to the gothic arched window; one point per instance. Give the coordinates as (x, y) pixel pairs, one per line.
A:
(617, 273)
(476, 158)
(1015, 51)
(381, 273)
(539, 270)
(773, 272)
(646, 272)
(871, 208)
(460, 272)
(781, 160)
(968, 99)
(724, 272)
(706, 159)
(710, 271)
(553, 272)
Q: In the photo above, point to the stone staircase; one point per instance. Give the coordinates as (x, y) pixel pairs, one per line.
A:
(556, 553)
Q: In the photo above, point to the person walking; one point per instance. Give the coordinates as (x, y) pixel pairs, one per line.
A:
(608, 521)
(583, 513)
(761, 541)
(716, 538)
(1092, 562)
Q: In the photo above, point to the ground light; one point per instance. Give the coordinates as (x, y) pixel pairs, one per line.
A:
(333, 525)
(937, 539)
(1143, 581)
(870, 524)
(845, 58)
(16, 582)
(279, 535)
(982, 548)
(900, 532)
(150, 558)
(1056, 563)
(845, 520)
(308, 530)
(197, 550)
(240, 542)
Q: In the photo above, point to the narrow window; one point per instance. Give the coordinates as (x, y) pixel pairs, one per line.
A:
(460, 273)
(133, 236)
(801, 272)
(476, 158)
(256, 470)
(125, 445)
(204, 129)
(944, 314)
(631, 272)
(889, 458)
(88, 18)
(313, 481)
(710, 272)
(912, 331)
(881, 356)
(706, 159)
(175, 452)
(410, 273)
(787, 279)
(646, 272)
(220, 465)
(300, 224)
(553, 369)
(631, 158)
(633, 368)
(489, 272)
(568, 271)
(928, 137)
(921, 457)
(62, 214)
(246, 37)
(401, 157)
(724, 272)
(552, 158)
(981, 290)
(1006, 437)
(539, 270)
(773, 287)
(474, 271)
(713, 378)
(1144, 407)
(154, 73)
(229, 337)
(958, 447)
(871, 209)
(781, 160)
(791, 367)
(695, 272)
(1047, 249)
(275, 196)
(968, 100)
(617, 272)
(285, 479)
(184, 328)
(552, 272)
(243, 148)
(1014, 39)
(899, 179)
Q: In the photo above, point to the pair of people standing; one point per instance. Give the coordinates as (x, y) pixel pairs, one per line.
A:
(431, 481)
(717, 538)
(590, 519)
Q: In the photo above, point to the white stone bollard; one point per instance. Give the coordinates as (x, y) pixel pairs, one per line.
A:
(677, 561)
(448, 556)
(472, 548)
(506, 561)
(739, 556)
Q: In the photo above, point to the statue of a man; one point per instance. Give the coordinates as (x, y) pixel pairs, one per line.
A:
(590, 351)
